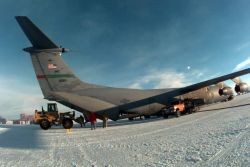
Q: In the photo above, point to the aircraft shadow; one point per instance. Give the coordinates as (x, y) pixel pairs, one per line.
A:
(153, 119)
(125, 122)
(222, 108)
(20, 137)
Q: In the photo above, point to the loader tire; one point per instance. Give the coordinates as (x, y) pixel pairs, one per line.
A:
(67, 123)
(45, 124)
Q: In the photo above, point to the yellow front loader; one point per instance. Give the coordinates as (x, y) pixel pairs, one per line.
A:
(52, 117)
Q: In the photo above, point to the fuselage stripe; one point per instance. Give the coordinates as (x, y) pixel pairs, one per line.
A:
(55, 76)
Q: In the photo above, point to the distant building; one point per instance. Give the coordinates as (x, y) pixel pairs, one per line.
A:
(16, 121)
(23, 123)
(2, 120)
(22, 116)
(9, 122)
(26, 119)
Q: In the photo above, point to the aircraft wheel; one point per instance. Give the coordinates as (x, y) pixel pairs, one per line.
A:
(45, 124)
(178, 113)
(146, 116)
(230, 98)
(67, 123)
(131, 118)
(165, 116)
(196, 109)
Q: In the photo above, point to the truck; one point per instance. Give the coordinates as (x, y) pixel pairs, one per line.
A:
(179, 108)
(53, 117)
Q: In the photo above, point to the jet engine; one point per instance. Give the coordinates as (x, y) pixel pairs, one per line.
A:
(241, 88)
(226, 91)
(214, 96)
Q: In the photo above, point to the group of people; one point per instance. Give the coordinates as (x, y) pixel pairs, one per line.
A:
(92, 120)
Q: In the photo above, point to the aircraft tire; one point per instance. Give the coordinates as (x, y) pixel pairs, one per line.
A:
(190, 111)
(131, 118)
(178, 113)
(67, 123)
(146, 116)
(231, 97)
(45, 124)
(165, 116)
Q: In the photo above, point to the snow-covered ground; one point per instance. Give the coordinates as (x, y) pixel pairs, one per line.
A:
(2, 130)
(212, 138)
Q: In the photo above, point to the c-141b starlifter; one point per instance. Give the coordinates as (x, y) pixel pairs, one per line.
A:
(60, 84)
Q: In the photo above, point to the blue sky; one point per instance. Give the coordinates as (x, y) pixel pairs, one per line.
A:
(125, 43)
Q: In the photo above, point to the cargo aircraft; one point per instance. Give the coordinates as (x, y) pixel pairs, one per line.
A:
(59, 83)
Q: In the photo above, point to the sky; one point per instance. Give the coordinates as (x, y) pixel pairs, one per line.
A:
(141, 44)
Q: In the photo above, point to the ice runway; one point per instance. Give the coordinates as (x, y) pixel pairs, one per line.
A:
(212, 138)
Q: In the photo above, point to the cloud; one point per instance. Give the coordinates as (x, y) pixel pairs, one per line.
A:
(243, 46)
(17, 97)
(167, 78)
(136, 85)
(242, 64)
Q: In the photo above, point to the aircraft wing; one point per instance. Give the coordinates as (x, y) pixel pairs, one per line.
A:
(166, 98)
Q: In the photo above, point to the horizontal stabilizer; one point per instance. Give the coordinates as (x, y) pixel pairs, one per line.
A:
(38, 39)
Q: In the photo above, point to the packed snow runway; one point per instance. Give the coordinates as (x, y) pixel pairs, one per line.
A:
(210, 138)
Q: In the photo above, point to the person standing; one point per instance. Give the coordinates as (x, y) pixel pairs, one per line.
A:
(93, 121)
(105, 121)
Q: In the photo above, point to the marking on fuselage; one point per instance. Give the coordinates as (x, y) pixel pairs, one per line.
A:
(55, 76)
(62, 80)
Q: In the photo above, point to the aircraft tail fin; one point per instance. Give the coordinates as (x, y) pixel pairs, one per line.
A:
(38, 39)
(52, 73)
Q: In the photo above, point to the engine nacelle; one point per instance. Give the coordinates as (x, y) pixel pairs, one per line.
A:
(241, 88)
(226, 91)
